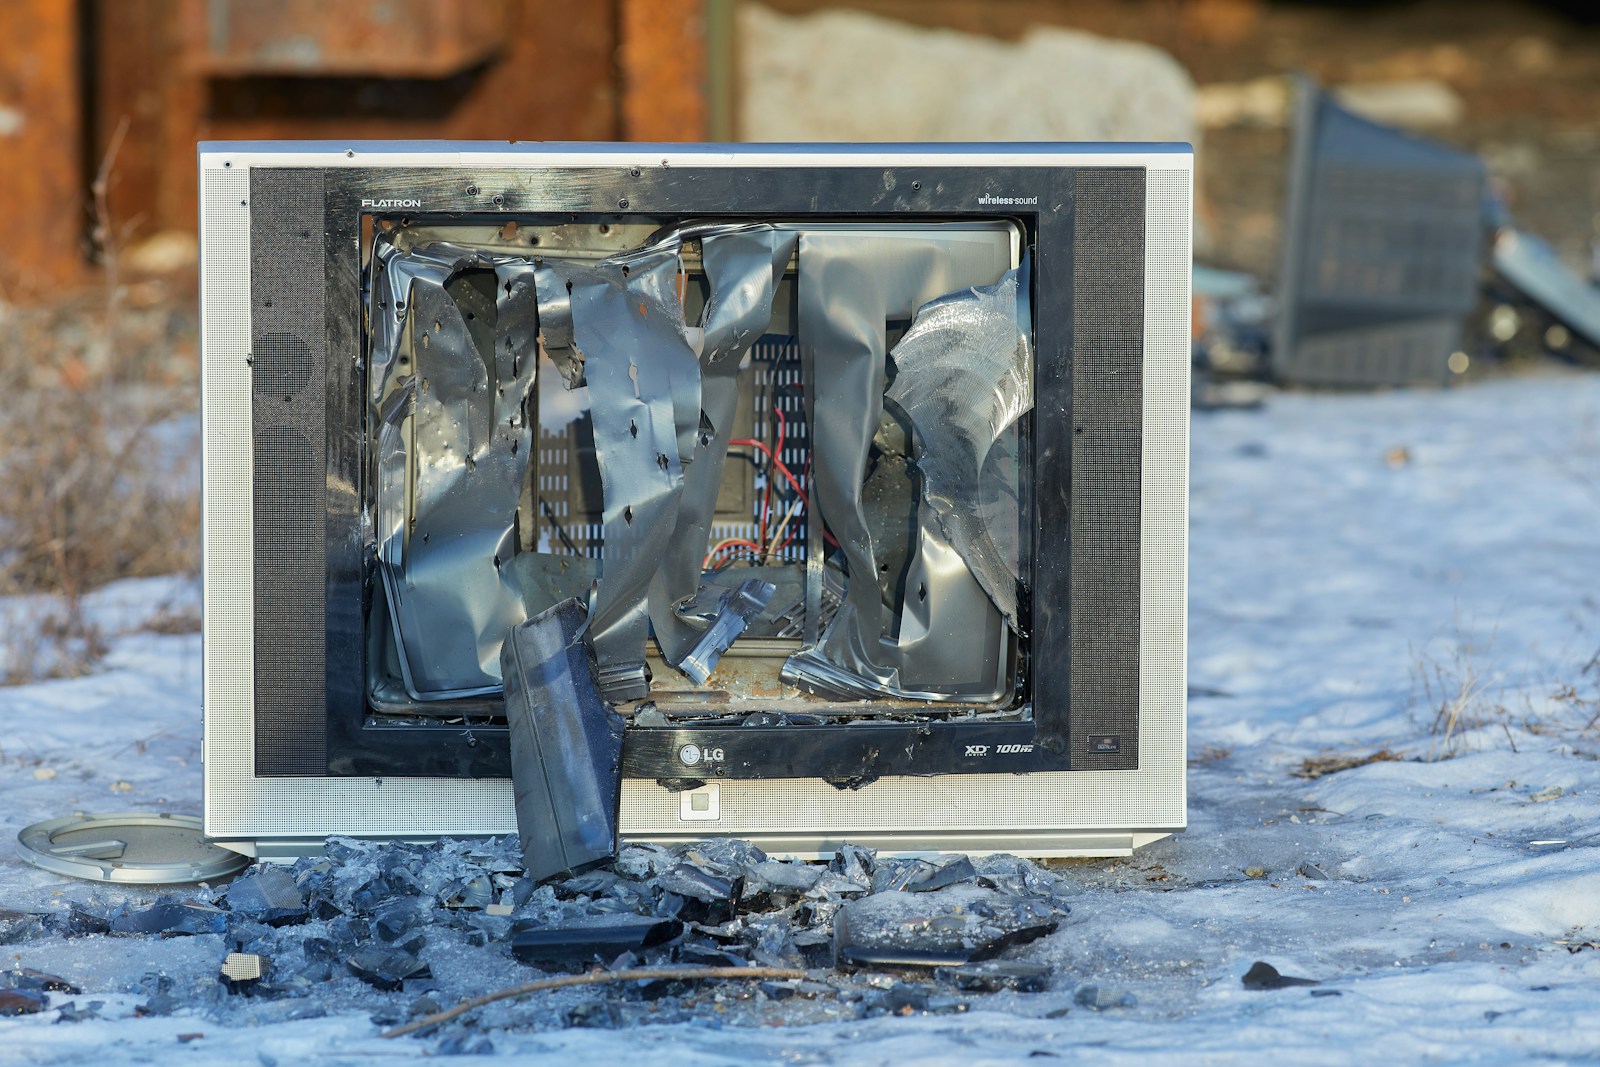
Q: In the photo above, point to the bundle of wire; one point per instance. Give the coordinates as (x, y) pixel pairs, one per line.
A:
(765, 546)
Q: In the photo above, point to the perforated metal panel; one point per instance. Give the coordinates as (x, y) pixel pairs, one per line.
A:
(1108, 266)
(289, 421)
(570, 502)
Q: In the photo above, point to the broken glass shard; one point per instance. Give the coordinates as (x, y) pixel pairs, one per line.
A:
(169, 916)
(267, 895)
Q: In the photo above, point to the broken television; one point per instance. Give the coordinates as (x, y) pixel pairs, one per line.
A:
(865, 468)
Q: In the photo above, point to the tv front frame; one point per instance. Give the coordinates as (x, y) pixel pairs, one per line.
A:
(1109, 233)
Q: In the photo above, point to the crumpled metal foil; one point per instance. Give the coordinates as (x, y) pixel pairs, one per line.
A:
(452, 368)
(851, 284)
(964, 376)
(743, 266)
(625, 321)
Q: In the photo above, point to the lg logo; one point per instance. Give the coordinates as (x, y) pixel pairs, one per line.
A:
(689, 755)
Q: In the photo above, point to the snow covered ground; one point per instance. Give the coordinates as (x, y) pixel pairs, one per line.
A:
(1357, 563)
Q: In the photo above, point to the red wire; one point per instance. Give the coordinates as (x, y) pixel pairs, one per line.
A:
(741, 543)
(766, 450)
(766, 497)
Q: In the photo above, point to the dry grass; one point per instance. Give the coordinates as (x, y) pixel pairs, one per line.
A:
(1209, 754)
(1458, 695)
(1322, 766)
(95, 485)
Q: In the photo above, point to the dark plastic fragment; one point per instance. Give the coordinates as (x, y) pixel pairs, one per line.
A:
(592, 938)
(386, 969)
(709, 953)
(1263, 975)
(942, 929)
(991, 976)
(898, 999)
(566, 745)
(22, 1001)
(28, 979)
(850, 954)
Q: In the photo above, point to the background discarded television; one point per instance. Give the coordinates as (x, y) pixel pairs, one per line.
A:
(1382, 250)
(903, 430)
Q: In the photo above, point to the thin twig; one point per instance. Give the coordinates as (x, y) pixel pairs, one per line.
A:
(636, 974)
(105, 236)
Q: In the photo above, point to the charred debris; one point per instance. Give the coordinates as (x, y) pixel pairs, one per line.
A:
(870, 935)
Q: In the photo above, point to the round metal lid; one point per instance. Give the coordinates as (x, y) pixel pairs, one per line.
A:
(148, 848)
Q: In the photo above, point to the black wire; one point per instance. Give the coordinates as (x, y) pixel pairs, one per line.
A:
(555, 524)
(748, 457)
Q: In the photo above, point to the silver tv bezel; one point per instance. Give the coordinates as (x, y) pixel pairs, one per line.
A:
(1080, 812)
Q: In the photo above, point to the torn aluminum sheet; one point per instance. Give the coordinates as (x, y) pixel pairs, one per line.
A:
(452, 368)
(626, 321)
(950, 645)
(743, 267)
(566, 745)
(739, 606)
(964, 376)
(851, 284)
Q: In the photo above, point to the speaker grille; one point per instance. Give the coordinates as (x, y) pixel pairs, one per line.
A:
(289, 428)
(1107, 437)
(283, 364)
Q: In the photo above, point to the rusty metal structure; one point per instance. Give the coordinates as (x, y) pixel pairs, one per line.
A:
(169, 73)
